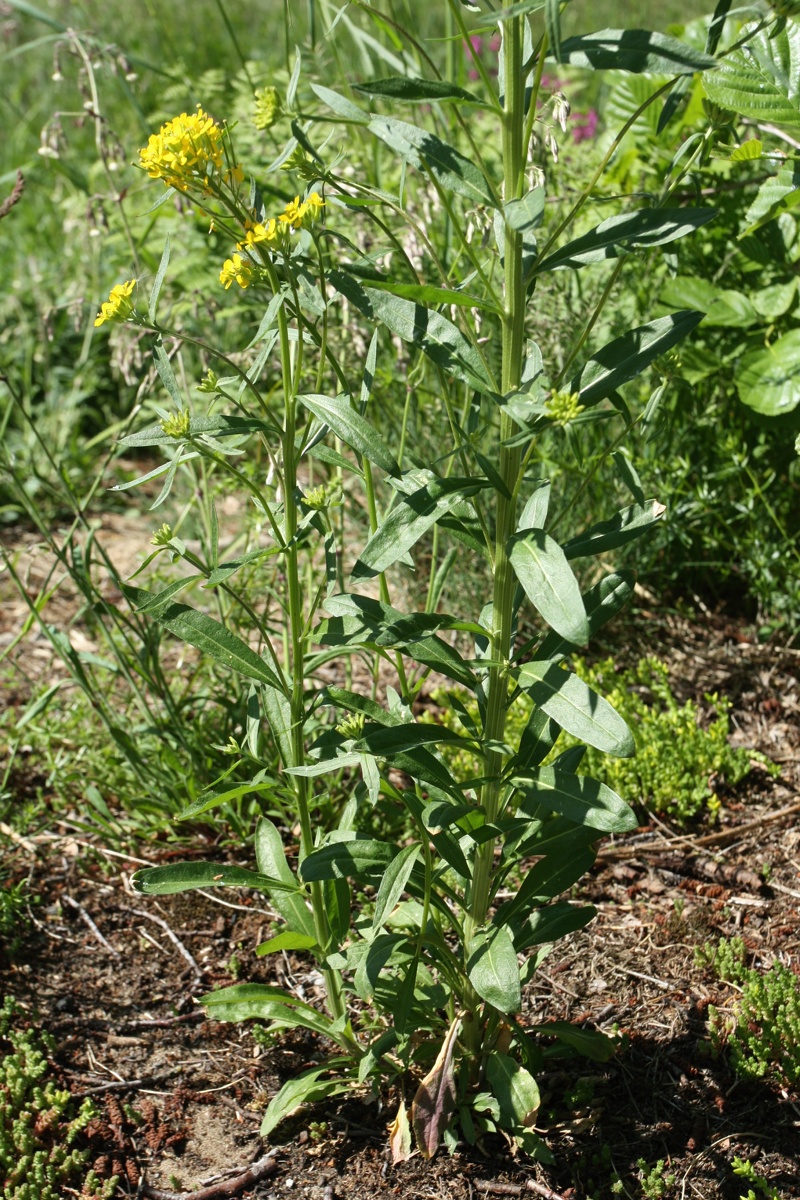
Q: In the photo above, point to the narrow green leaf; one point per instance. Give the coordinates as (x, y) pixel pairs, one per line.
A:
(550, 877)
(619, 235)
(577, 709)
(338, 413)
(208, 636)
(552, 24)
(602, 602)
(308, 1088)
(152, 308)
(407, 87)
(589, 1042)
(541, 567)
(166, 374)
(628, 523)
(407, 522)
(271, 860)
(527, 213)
(629, 355)
(394, 883)
(422, 150)
(287, 941)
(493, 969)
(220, 426)
(551, 923)
(355, 858)
(435, 335)
(641, 51)
(278, 712)
(340, 104)
(580, 799)
(214, 797)
(386, 741)
(186, 877)
(431, 297)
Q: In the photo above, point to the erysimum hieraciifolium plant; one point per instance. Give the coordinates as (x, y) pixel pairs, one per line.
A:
(436, 249)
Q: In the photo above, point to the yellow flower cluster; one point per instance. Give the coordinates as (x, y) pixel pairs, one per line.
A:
(236, 269)
(119, 306)
(271, 233)
(183, 150)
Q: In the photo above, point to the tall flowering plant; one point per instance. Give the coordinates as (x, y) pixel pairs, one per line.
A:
(425, 984)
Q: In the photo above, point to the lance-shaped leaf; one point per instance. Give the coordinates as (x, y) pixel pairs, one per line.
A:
(761, 79)
(526, 213)
(422, 150)
(413, 516)
(435, 1097)
(588, 1042)
(433, 333)
(400, 1136)
(430, 296)
(641, 51)
(214, 797)
(515, 1090)
(217, 427)
(629, 355)
(245, 1001)
(208, 636)
(407, 87)
(385, 741)
(576, 707)
(620, 235)
(340, 104)
(354, 858)
(308, 1088)
(601, 602)
(551, 923)
(493, 969)
(393, 883)
(288, 940)
(580, 799)
(550, 877)
(271, 860)
(546, 576)
(185, 877)
(628, 523)
(338, 413)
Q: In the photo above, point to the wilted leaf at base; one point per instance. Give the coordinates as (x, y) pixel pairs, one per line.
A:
(400, 1136)
(435, 1097)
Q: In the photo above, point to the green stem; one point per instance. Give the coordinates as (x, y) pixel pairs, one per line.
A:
(504, 579)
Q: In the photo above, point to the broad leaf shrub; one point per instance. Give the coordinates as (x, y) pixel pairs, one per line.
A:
(338, 272)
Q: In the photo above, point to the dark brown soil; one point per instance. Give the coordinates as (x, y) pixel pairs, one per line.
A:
(181, 1096)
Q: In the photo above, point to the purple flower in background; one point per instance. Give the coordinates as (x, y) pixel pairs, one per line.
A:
(477, 44)
(584, 126)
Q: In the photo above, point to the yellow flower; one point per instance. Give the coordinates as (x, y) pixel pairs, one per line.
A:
(236, 268)
(119, 306)
(183, 150)
(260, 234)
(291, 215)
(311, 209)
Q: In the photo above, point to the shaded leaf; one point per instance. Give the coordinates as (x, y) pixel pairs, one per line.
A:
(338, 413)
(577, 709)
(406, 87)
(394, 882)
(641, 51)
(627, 356)
(422, 149)
(628, 523)
(515, 1090)
(541, 567)
(620, 235)
(307, 1088)
(185, 877)
(493, 969)
(768, 381)
(582, 800)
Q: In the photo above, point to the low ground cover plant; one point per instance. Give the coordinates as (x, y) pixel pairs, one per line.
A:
(433, 263)
(760, 1032)
(38, 1122)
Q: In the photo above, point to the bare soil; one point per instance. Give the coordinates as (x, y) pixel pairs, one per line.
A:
(115, 977)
